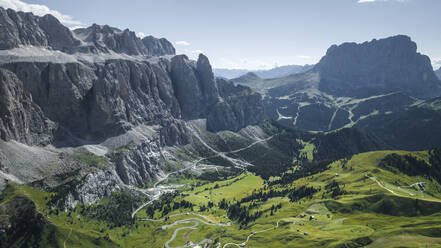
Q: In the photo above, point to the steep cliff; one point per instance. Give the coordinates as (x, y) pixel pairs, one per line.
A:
(240, 107)
(20, 118)
(105, 102)
(95, 85)
(378, 67)
(25, 29)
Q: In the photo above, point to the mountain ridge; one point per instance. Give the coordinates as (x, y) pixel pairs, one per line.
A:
(348, 89)
(275, 72)
(24, 29)
(80, 108)
(99, 107)
(378, 66)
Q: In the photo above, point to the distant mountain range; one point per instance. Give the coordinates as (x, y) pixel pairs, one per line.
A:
(281, 71)
(383, 85)
(109, 140)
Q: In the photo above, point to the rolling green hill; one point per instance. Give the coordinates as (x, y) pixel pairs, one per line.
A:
(370, 199)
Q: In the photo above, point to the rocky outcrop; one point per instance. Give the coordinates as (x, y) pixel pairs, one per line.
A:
(19, 28)
(100, 100)
(20, 118)
(93, 98)
(158, 47)
(104, 39)
(194, 85)
(107, 91)
(240, 107)
(377, 67)
(138, 165)
(25, 29)
(226, 107)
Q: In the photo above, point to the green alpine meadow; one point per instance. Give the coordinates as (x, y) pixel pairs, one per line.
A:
(257, 124)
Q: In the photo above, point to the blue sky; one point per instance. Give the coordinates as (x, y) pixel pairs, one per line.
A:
(256, 34)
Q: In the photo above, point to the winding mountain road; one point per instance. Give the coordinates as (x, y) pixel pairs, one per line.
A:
(393, 192)
(160, 190)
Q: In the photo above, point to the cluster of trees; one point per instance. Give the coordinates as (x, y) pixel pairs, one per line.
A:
(220, 174)
(116, 209)
(295, 194)
(239, 213)
(435, 161)
(302, 192)
(283, 147)
(216, 186)
(166, 203)
(412, 166)
(204, 208)
(62, 191)
(274, 208)
(334, 189)
(264, 196)
(307, 169)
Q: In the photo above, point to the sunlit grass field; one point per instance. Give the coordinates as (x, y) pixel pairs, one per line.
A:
(368, 214)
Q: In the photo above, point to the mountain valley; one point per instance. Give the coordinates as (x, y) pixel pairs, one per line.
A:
(112, 140)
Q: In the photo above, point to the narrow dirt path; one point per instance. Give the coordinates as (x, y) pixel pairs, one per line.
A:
(393, 192)
(161, 190)
(68, 236)
(249, 236)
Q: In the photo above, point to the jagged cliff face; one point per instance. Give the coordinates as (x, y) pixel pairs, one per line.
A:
(107, 91)
(98, 38)
(95, 101)
(378, 67)
(240, 106)
(104, 87)
(24, 29)
(21, 119)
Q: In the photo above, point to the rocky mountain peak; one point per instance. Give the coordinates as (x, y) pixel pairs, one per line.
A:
(112, 94)
(376, 67)
(157, 46)
(26, 29)
(20, 28)
(106, 38)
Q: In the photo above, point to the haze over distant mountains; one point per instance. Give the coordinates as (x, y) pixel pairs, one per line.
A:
(280, 71)
(109, 140)
(376, 85)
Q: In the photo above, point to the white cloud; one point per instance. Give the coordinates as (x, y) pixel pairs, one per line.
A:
(140, 35)
(197, 51)
(182, 43)
(248, 64)
(76, 27)
(436, 63)
(39, 10)
(304, 56)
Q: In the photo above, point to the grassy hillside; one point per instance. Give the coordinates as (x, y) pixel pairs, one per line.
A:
(366, 200)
